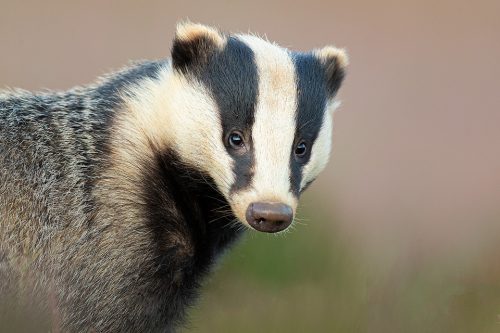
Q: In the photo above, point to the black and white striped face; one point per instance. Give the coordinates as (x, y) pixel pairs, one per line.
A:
(260, 118)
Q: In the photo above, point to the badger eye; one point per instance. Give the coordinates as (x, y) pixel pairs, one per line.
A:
(235, 140)
(301, 149)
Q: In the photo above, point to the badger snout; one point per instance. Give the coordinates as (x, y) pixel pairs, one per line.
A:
(269, 216)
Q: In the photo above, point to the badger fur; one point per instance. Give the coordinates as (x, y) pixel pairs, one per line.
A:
(116, 198)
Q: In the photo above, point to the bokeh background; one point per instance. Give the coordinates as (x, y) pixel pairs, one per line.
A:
(401, 233)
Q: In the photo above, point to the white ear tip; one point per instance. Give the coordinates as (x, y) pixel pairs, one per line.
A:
(188, 31)
(332, 52)
(334, 105)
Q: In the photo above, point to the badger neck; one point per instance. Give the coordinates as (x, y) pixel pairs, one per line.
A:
(156, 186)
(186, 199)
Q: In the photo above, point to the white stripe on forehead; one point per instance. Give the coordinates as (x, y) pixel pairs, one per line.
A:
(274, 126)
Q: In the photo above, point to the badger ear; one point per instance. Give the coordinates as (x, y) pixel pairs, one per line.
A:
(334, 61)
(194, 44)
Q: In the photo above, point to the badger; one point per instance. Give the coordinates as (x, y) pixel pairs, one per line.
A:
(116, 198)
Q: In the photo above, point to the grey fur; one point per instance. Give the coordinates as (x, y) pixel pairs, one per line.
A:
(53, 146)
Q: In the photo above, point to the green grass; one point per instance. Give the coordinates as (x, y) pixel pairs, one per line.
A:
(309, 280)
(296, 282)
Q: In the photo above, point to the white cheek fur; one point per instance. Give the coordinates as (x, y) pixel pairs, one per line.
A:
(182, 115)
(320, 151)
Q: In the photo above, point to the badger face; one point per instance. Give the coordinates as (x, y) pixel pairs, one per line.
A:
(256, 118)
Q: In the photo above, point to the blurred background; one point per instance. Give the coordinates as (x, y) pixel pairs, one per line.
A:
(401, 233)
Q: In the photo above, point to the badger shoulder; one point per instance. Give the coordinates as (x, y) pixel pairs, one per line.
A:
(53, 148)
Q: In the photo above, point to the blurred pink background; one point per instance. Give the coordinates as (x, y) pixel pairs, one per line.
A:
(415, 171)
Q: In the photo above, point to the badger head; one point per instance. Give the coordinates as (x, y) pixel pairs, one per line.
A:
(255, 117)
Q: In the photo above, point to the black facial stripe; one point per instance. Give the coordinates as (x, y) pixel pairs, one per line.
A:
(312, 94)
(232, 77)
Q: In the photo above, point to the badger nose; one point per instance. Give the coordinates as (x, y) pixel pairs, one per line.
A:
(269, 216)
